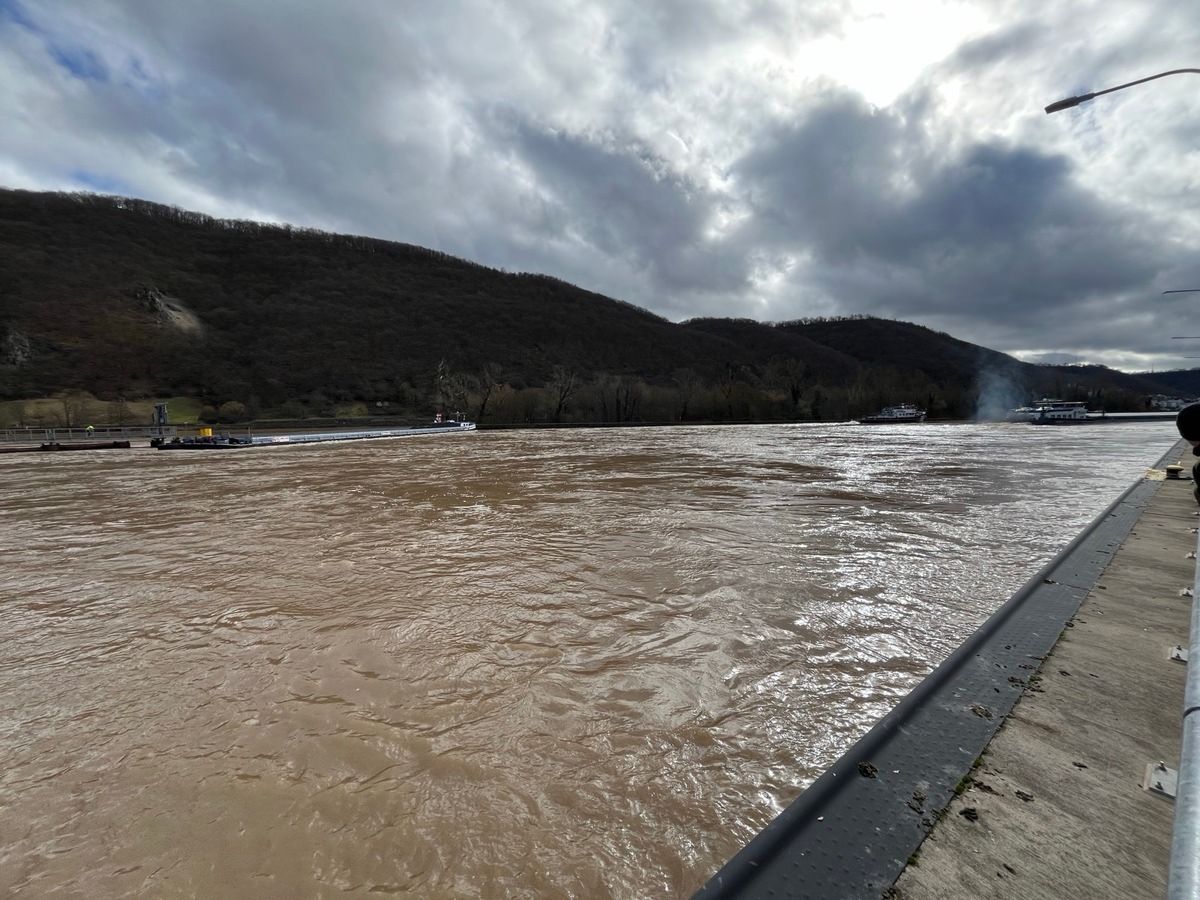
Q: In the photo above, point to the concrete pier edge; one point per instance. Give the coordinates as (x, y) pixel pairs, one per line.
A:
(852, 833)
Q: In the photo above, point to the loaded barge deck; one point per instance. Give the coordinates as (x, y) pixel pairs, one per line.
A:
(230, 442)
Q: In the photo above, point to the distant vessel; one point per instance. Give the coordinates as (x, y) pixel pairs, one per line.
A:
(1048, 411)
(70, 445)
(895, 415)
(227, 442)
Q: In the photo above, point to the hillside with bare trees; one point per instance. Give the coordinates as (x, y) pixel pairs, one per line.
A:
(123, 299)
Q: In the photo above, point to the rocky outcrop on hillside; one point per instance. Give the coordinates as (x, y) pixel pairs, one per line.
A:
(169, 311)
(15, 350)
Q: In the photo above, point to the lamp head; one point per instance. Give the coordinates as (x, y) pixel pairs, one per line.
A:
(1068, 103)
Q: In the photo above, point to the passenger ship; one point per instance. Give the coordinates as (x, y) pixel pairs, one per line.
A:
(1050, 412)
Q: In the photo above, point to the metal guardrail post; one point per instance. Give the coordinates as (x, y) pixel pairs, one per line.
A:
(1183, 878)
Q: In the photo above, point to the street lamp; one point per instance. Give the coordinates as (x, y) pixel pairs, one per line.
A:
(1083, 98)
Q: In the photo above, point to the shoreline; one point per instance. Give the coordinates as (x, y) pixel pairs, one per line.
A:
(68, 435)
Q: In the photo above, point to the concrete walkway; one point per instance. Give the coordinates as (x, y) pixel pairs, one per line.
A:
(1057, 808)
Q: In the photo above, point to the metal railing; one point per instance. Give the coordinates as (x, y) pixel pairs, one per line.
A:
(75, 433)
(1183, 877)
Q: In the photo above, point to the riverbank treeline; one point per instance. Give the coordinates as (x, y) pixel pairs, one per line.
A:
(117, 300)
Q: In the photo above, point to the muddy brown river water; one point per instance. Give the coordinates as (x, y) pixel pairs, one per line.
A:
(585, 663)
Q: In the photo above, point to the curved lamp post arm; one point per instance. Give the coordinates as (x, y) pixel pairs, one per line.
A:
(1083, 98)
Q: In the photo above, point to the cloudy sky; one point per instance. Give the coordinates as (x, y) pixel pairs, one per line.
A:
(767, 159)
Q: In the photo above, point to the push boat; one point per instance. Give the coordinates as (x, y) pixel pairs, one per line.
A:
(895, 415)
(232, 442)
(1048, 411)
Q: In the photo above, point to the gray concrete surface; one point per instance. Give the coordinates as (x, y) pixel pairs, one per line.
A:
(1057, 807)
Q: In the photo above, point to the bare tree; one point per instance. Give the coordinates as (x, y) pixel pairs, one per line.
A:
(118, 411)
(788, 373)
(563, 383)
(73, 406)
(232, 411)
(620, 397)
(687, 386)
(486, 383)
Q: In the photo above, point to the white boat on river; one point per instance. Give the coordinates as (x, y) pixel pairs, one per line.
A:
(1049, 411)
(895, 415)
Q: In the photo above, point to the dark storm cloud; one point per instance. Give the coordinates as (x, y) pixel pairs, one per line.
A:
(824, 182)
(689, 157)
(991, 234)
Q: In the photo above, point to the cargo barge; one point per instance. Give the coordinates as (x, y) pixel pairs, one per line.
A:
(57, 446)
(231, 442)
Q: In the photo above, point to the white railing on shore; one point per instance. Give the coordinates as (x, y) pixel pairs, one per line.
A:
(1183, 878)
(99, 433)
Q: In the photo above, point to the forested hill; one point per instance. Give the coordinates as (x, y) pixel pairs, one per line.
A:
(125, 298)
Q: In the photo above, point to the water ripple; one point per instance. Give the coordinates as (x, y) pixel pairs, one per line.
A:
(554, 664)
